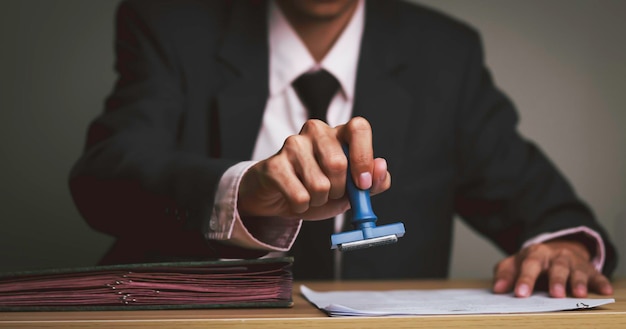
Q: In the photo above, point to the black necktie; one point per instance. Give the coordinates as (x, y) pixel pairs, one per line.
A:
(313, 258)
(316, 90)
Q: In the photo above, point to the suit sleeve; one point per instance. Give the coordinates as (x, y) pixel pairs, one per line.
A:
(132, 179)
(508, 189)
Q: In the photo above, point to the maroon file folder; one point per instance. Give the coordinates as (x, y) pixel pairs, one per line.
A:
(179, 285)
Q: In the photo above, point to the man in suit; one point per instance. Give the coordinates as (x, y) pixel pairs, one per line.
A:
(206, 86)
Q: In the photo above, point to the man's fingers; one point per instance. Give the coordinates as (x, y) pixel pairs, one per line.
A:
(557, 276)
(532, 263)
(287, 182)
(298, 151)
(382, 177)
(504, 275)
(598, 283)
(564, 265)
(306, 179)
(330, 157)
(578, 282)
(358, 134)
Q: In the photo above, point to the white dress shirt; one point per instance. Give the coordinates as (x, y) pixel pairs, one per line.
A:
(284, 116)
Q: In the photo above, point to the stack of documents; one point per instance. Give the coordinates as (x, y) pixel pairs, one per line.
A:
(211, 284)
(437, 302)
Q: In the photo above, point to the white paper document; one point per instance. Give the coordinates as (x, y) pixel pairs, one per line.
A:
(436, 302)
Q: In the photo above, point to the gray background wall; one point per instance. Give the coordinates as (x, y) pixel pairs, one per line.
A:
(561, 61)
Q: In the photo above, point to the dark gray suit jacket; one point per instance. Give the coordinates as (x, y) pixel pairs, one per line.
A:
(193, 83)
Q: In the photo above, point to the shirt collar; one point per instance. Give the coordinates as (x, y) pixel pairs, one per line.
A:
(289, 57)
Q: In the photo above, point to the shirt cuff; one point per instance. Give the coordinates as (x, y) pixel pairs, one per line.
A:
(225, 224)
(597, 260)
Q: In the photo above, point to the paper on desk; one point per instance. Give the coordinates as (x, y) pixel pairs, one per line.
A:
(443, 301)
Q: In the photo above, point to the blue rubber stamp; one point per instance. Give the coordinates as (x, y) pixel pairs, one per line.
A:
(365, 234)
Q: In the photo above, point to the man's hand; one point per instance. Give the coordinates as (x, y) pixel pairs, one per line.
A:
(561, 261)
(306, 179)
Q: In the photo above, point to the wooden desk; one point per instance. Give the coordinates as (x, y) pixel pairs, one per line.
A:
(304, 315)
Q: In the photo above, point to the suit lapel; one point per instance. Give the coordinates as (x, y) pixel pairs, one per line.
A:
(240, 104)
(245, 56)
(379, 97)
